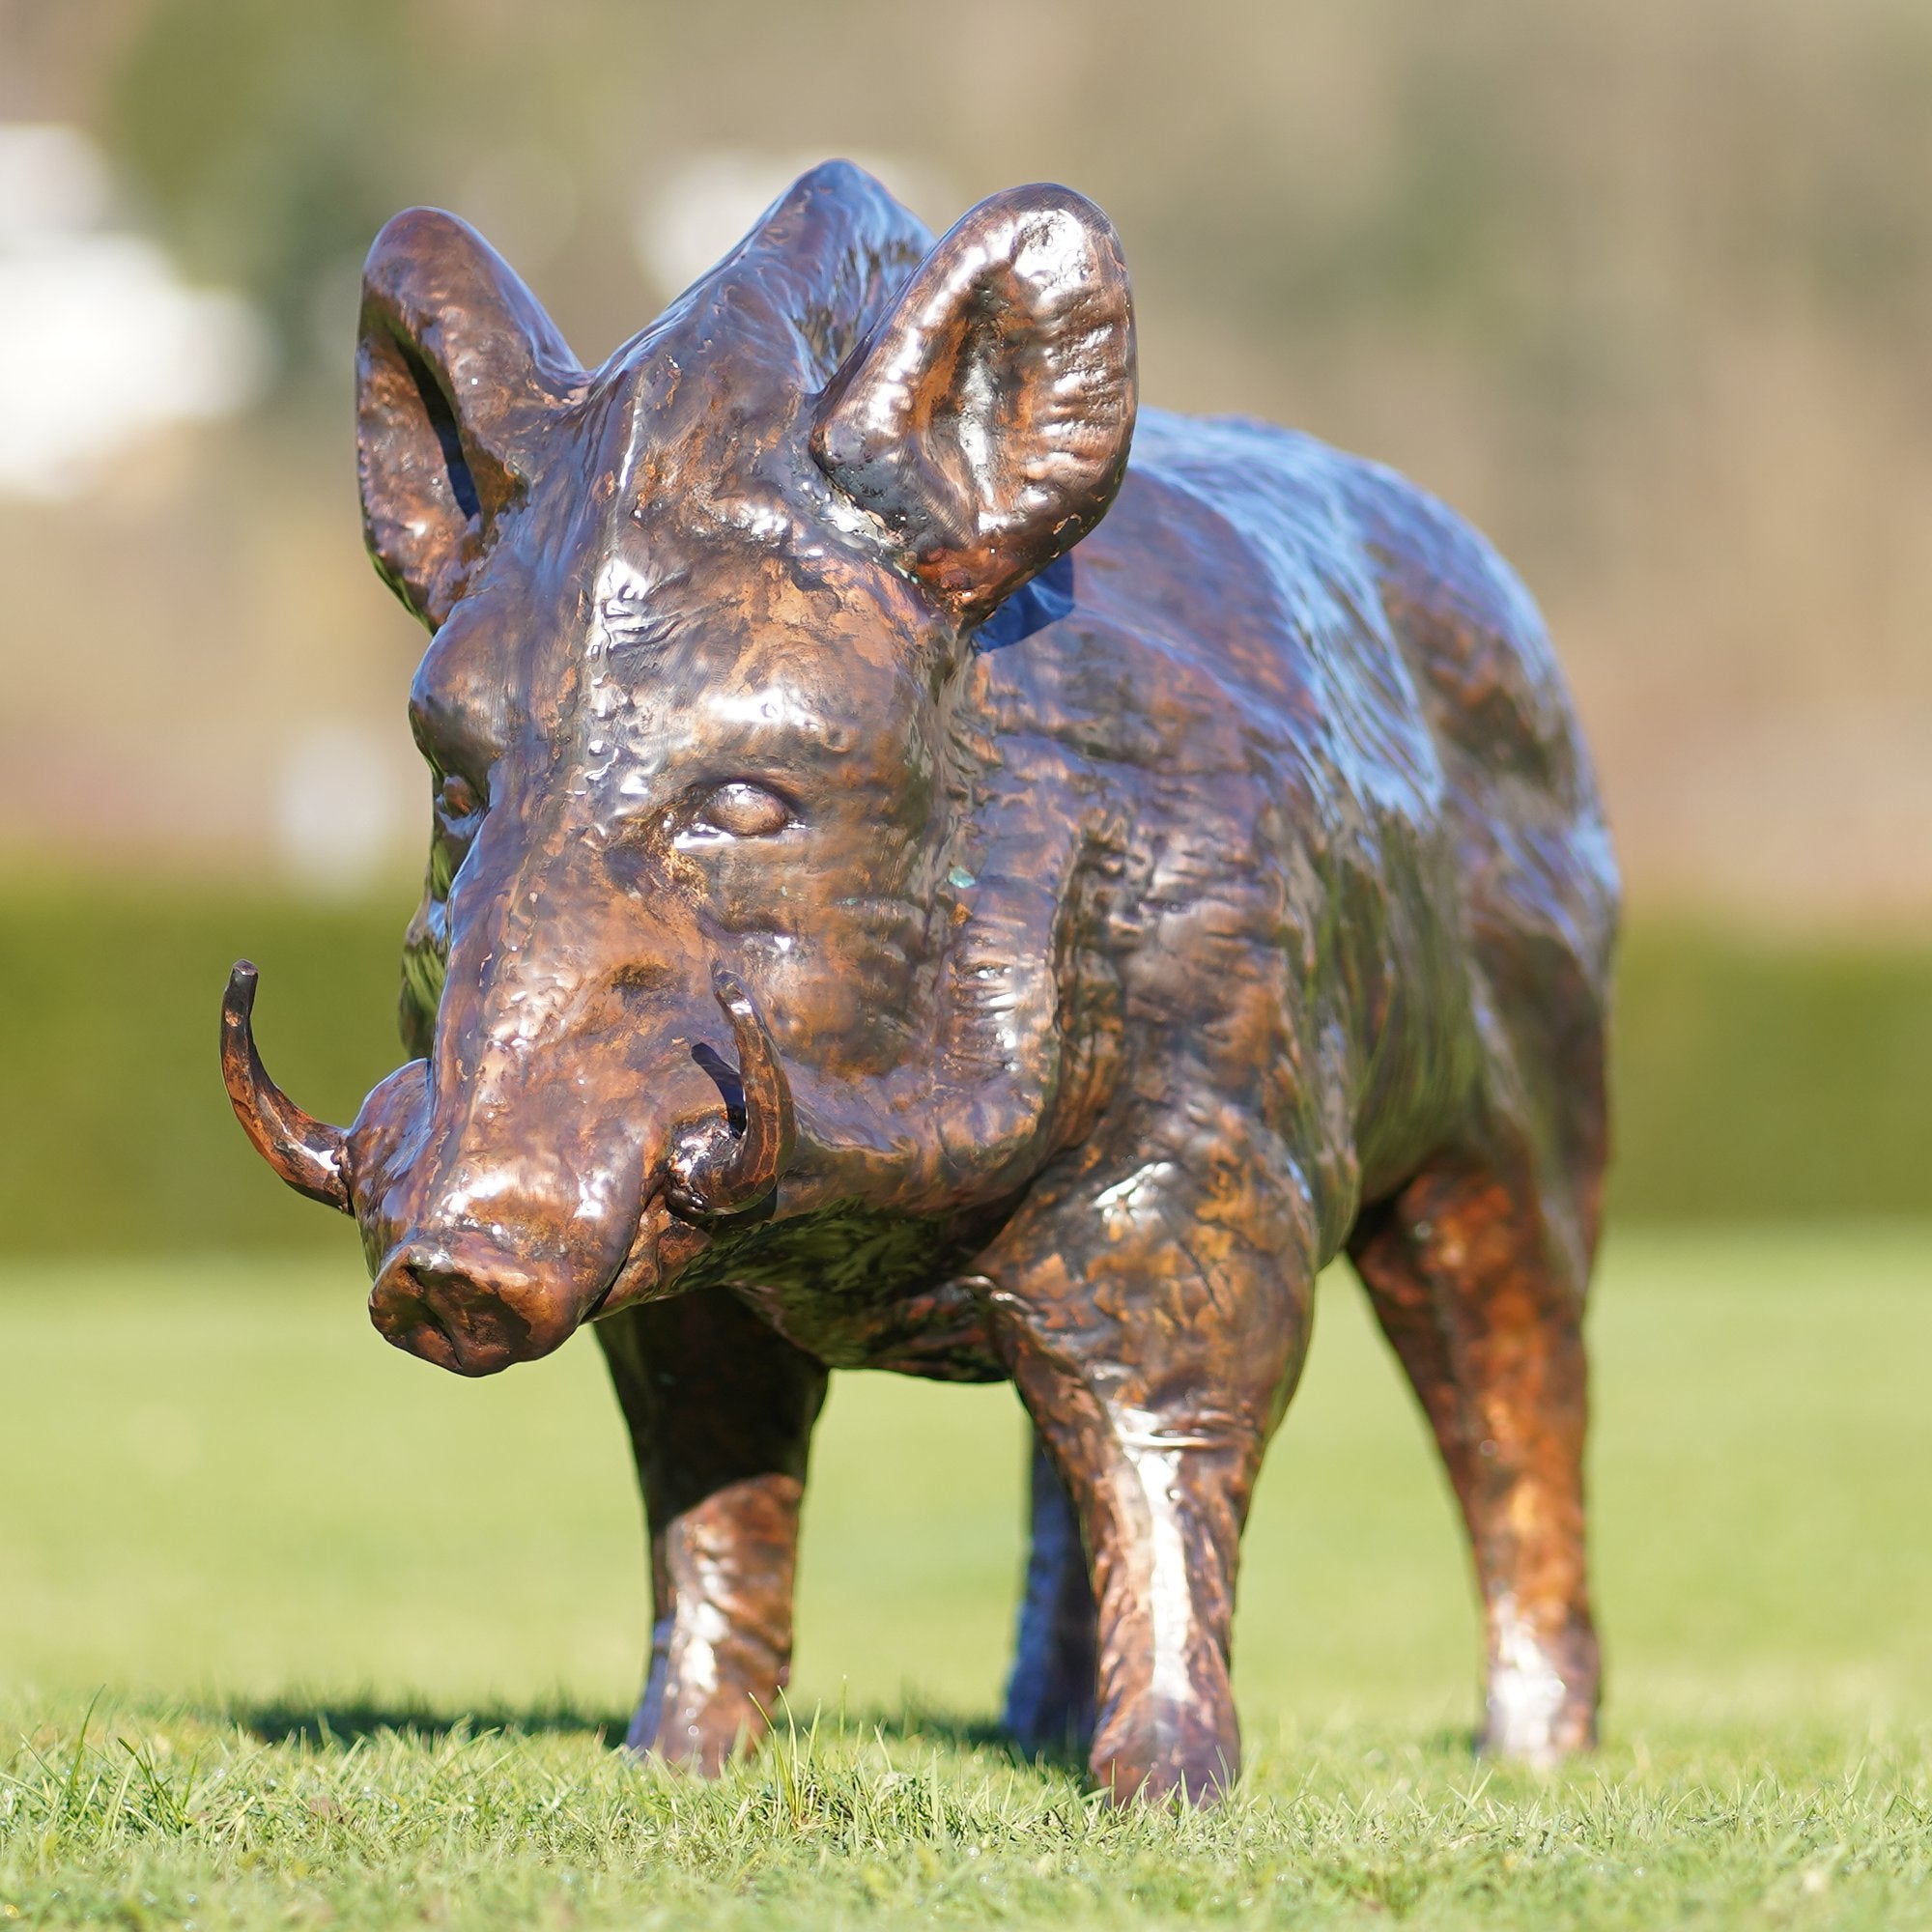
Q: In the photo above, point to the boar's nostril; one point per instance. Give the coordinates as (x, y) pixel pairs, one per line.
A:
(461, 1313)
(436, 1284)
(433, 1286)
(724, 1076)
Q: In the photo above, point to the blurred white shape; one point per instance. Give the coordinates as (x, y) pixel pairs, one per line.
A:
(100, 341)
(697, 211)
(340, 813)
(52, 182)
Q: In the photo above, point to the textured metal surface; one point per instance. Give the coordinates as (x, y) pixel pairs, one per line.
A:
(912, 889)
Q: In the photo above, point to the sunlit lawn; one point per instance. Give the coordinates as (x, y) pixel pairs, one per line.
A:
(254, 1537)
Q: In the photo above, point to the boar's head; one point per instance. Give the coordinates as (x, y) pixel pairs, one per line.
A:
(701, 936)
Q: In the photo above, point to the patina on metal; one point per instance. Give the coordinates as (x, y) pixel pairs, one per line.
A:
(914, 889)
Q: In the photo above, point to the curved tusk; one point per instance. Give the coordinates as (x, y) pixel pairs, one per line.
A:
(309, 1154)
(726, 1174)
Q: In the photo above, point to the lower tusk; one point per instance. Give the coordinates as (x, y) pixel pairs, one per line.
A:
(308, 1154)
(725, 1174)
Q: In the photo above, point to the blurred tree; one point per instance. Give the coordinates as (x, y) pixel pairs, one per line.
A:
(1643, 289)
(264, 138)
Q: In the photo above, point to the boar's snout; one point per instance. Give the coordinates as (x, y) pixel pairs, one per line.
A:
(468, 1306)
(493, 1228)
(495, 1244)
(486, 1252)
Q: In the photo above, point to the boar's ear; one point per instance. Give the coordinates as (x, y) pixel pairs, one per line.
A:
(455, 370)
(986, 418)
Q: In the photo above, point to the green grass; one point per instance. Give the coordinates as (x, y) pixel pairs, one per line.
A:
(354, 1635)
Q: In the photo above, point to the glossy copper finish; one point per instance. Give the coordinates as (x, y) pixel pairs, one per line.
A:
(307, 1152)
(733, 1164)
(912, 890)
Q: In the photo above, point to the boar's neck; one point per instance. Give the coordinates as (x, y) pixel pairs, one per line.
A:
(996, 1082)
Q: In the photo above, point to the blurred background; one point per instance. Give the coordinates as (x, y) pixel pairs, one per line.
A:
(1645, 290)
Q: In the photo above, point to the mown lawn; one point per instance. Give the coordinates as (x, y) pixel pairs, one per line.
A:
(347, 1636)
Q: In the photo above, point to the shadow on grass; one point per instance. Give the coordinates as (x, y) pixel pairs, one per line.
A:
(321, 1725)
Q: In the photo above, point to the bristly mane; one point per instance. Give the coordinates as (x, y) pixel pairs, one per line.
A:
(799, 293)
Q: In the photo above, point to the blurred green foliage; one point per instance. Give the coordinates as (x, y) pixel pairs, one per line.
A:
(264, 139)
(1468, 173)
(1755, 1079)
(117, 1136)
(1759, 1079)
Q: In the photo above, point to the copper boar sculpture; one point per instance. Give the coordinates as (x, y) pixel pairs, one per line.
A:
(914, 889)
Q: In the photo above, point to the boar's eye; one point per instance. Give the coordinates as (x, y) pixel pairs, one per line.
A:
(456, 798)
(742, 811)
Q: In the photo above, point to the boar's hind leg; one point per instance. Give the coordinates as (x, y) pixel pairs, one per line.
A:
(1478, 1282)
(720, 1409)
(1050, 1694)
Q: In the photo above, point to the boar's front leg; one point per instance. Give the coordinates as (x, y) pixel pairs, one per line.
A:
(720, 1409)
(1154, 1315)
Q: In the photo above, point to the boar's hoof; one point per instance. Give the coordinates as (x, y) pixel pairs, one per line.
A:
(1542, 1704)
(1178, 1752)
